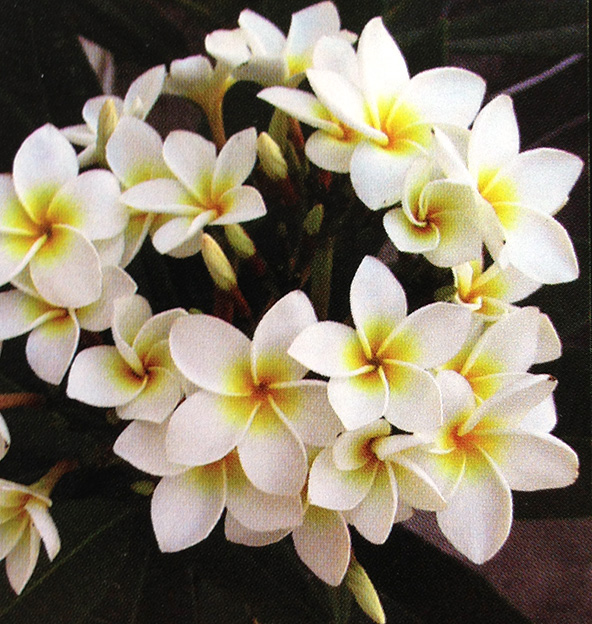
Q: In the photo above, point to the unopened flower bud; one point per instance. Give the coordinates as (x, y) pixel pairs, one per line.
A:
(217, 264)
(143, 488)
(271, 157)
(359, 584)
(108, 119)
(239, 240)
(313, 220)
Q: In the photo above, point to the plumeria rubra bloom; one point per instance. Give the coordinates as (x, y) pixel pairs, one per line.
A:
(208, 190)
(365, 476)
(482, 452)
(24, 522)
(437, 218)
(55, 330)
(387, 115)
(518, 193)
(49, 215)
(379, 368)
(136, 376)
(188, 501)
(253, 397)
(102, 114)
(273, 58)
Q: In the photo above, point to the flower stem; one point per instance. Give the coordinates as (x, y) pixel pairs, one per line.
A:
(21, 399)
(46, 484)
(320, 278)
(216, 122)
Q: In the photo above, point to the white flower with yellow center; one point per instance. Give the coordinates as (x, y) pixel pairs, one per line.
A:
(379, 368)
(389, 115)
(102, 114)
(136, 376)
(55, 330)
(365, 475)
(254, 397)
(482, 452)
(207, 190)
(49, 215)
(518, 193)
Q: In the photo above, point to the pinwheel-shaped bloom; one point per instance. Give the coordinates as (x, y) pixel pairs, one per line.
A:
(253, 397)
(101, 115)
(365, 475)
(24, 522)
(379, 368)
(391, 115)
(438, 218)
(134, 155)
(481, 453)
(273, 58)
(49, 215)
(55, 330)
(188, 502)
(207, 190)
(136, 375)
(519, 193)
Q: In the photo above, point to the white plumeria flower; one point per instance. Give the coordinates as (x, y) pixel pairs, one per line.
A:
(207, 190)
(253, 397)
(4, 436)
(95, 132)
(437, 218)
(322, 541)
(55, 330)
(364, 475)
(391, 115)
(24, 522)
(518, 193)
(273, 58)
(188, 501)
(481, 453)
(136, 376)
(49, 215)
(134, 155)
(379, 368)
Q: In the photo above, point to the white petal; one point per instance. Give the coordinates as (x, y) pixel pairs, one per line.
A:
(542, 418)
(272, 455)
(323, 544)
(337, 55)
(446, 95)
(240, 204)
(206, 427)
(544, 177)
(374, 516)
(308, 26)
(79, 134)
(21, 561)
(142, 444)
(20, 313)
(350, 450)
(212, 354)
(236, 533)
(548, 343)
(479, 514)
(383, 70)
(457, 394)
(67, 269)
(275, 333)
(332, 488)
(51, 347)
(160, 196)
(186, 507)
(44, 162)
(143, 92)
(192, 159)
(378, 302)
(532, 461)
(229, 46)
(235, 161)
(175, 233)
(360, 399)
(153, 331)
(416, 487)
(92, 109)
(329, 348)
(45, 525)
(495, 139)
(101, 377)
(540, 247)
(406, 236)
(255, 509)
(377, 174)
(264, 36)
(14, 526)
(329, 152)
(129, 314)
(16, 252)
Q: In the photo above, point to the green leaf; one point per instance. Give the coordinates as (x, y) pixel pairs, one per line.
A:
(98, 552)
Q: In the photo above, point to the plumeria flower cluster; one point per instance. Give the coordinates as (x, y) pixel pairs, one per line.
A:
(298, 424)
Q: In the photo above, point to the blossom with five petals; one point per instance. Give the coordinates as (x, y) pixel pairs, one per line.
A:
(379, 368)
(136, 376)
(208, 190)
(254, 397)
(49, 215)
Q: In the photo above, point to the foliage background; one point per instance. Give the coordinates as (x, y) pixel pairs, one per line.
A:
(109, 570)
